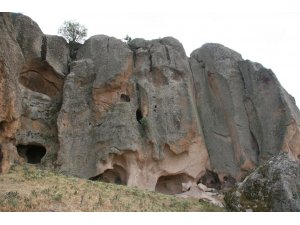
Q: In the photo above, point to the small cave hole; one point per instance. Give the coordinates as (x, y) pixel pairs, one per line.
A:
(139, 115)
(211, 180)
(171, 184)
(228, 182)
(125, 98)
(2, 126)
(32, 154)
(117, 175)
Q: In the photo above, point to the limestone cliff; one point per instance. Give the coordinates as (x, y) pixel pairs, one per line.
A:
(140, 113)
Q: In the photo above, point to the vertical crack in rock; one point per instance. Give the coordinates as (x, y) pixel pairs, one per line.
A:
(168, 54)
(44, 48)
(150, 60)
(107, 45)
(255, 146)
(193, 84)
(134, 58)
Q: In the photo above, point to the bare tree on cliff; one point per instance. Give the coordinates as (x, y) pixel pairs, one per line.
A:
(73, 31)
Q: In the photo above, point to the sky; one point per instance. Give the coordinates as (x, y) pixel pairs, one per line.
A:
(263, 31)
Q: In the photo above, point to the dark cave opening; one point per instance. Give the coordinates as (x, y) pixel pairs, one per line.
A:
(139, 115)
(117, 175)
(125, 98)
(171, 184)
(32, 154)
(211, 180)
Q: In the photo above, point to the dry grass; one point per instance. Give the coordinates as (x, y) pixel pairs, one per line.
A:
(26, 188)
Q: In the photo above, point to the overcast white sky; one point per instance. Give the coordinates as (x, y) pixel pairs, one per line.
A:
(264, 31)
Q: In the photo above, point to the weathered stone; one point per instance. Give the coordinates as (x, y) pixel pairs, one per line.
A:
(198, 193)
(11, 59)
(57, 53)
(29, 36)
(273, 186)
(219, 96)
(234, 98)
(271, 129)
(134, 113)
(35, 45)
(33, 100)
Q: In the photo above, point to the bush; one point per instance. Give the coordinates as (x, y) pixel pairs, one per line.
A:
(73, 31)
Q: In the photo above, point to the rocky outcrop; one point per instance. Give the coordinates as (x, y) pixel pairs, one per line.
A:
(11, 60)
(276, 129)
(129, 112)
(32, 87)
(139, 113)
(273, 186)
(234, 98)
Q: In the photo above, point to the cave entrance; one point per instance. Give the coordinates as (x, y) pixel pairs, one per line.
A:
(139, 115)
(210, 179)
(117, 175)
(32, 154)
(171, 184)
(125, 98)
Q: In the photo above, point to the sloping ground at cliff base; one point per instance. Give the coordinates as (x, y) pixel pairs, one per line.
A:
(27, 188)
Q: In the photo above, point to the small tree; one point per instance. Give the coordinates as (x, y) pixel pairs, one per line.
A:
(73, 31)
(127, 39)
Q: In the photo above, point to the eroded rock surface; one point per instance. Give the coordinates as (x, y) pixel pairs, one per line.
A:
(11, 60)
(32, 82)
(273, 186)
(234, 98)
(131, 108)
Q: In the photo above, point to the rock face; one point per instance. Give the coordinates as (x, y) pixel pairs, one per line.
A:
(31, 90)
(11, 60)
(234, 98)
(274, 186)
(129, 111)
(140, 113)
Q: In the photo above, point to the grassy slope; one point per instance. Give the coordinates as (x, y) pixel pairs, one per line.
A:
(26, 188)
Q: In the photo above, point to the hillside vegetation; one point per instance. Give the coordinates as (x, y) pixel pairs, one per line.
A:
(27, 188)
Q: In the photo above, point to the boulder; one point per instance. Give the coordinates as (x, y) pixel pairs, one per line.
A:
(35, 45)
(57, 53)
(273, 186)
(28, 34)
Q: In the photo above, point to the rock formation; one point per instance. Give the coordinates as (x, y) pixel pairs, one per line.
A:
(129, 110)
(140, 113)
(274, 186)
